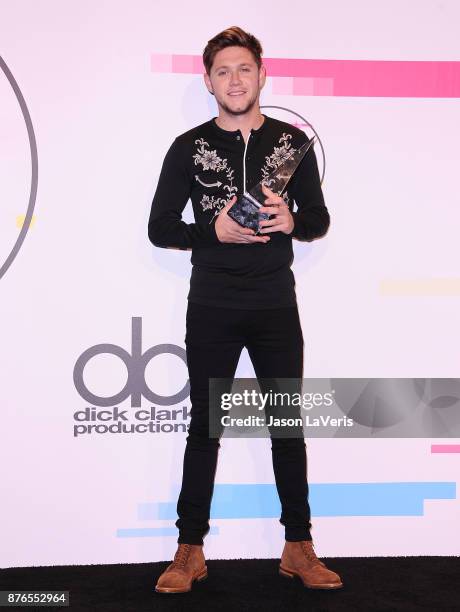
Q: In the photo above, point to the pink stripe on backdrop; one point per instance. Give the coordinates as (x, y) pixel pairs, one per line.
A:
(445, 448)
(161, 63)
(362, 78)
(283, 86)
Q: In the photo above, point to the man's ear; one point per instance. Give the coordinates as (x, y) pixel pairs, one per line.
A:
(207, 81)
(262, 76)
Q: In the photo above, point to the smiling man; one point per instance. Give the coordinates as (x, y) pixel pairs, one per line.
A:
(242, 290)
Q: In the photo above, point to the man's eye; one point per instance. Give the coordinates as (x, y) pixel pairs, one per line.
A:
(221, 72)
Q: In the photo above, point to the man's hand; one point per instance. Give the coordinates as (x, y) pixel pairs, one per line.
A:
(228, 230)
(275, 205)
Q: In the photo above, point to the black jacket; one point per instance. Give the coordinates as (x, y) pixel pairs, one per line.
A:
(209, 165)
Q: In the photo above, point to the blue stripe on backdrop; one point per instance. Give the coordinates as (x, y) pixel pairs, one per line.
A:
(326, 499)
(154, 532)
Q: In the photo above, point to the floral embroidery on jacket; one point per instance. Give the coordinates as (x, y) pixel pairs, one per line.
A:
(279, 155)
(209, 160)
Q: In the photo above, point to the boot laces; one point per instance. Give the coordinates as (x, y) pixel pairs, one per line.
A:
(182, 555)
(309, 551)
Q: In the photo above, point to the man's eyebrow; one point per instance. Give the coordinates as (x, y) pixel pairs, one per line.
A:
(239, 65)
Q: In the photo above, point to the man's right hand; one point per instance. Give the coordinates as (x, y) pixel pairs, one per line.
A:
(228, 230)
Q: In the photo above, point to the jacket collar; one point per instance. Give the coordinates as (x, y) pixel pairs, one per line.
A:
(232, 134)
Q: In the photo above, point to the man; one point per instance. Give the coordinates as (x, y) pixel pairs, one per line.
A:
(241, 289)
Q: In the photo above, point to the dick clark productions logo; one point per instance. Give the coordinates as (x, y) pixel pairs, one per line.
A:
(136, 362)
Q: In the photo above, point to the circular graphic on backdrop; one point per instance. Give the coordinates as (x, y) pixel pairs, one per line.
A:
(420, 407)
(15, 234)
(378, 403)
(289, 116)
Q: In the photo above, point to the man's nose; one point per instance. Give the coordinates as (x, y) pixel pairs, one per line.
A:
(235, 77)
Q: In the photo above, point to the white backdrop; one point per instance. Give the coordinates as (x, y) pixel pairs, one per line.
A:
(378, 296)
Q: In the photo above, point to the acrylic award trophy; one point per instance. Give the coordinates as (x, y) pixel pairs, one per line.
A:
(245, 211)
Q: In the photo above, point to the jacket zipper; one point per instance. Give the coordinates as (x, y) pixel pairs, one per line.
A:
(244, 163)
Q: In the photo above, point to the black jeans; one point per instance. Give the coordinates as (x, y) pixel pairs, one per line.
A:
(214, 340)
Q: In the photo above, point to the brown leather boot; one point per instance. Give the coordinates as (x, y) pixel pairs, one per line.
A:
(188, 565)
(299, 559)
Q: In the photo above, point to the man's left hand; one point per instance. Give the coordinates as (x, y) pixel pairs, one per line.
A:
(283, 221)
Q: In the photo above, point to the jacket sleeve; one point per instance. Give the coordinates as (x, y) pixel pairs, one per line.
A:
(311, 219)
(166, 228)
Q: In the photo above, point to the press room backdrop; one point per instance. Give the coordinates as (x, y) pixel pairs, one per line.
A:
(92, 95)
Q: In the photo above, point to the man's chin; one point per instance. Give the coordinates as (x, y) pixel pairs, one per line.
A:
(242, 110)
(237, 112)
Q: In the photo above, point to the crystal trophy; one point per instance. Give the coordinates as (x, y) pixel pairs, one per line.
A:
(245, 211)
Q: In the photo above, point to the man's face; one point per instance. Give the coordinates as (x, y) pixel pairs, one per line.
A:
(235, 80)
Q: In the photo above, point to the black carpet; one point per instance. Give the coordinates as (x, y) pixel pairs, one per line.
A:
(370, 584)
